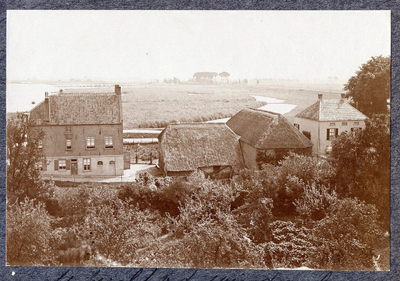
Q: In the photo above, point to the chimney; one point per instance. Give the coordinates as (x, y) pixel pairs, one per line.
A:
(61, 91)
(47, 107)
(342, 96)
(319, 96)
(117, 90)
(118, 93)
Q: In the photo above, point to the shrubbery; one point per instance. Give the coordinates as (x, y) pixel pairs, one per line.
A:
(293, 214)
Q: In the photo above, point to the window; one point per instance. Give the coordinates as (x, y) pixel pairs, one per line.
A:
(108, 142)
(332, 124)
(331, 134)
(68, 144)
(62, 164)
(68, 129)
(344, 123)
(297, 125)
(356, 123)
(40, 144)
(90, 142)
(112, 162)
(99, 163)
(86, 164)
(355, 129)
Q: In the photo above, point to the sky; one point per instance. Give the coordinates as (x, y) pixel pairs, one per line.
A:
(112, 45)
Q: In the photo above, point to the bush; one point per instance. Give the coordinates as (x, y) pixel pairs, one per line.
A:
(118, 230)
(29, 233)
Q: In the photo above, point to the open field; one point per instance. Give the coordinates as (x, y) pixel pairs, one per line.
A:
(156, 105)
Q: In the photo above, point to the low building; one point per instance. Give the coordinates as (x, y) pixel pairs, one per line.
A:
(266, 136)
(326, 119)
(210, 147)
(83, 134)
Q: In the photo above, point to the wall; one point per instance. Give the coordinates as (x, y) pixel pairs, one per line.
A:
(106, 169)
(249, 155)
(319, 131)
(341, 128)
(312, 127)
(54, 148)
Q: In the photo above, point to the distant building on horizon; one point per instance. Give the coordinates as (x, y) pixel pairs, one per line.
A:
(83, 134)
(326, 119)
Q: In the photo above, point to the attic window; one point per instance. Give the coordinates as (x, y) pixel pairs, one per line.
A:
(356, 123)
(344, 123)
(99, 163)
(112, 162)
(332, 124)
(68, 129)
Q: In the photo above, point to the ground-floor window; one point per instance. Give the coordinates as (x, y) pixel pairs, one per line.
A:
(332, 133)
(62, 164)
(86, 164)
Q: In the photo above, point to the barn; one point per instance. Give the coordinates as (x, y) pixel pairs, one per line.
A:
(210, 147)
(266, 136)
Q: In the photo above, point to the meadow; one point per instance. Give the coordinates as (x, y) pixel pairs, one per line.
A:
(156, 105)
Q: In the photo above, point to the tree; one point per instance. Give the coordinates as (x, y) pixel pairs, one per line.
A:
(362, 163)
(369, 89)
(23, 156)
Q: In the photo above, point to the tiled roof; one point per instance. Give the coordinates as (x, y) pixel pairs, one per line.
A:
(187, 147)
(267, 130)
(331, 110)
(71, 109)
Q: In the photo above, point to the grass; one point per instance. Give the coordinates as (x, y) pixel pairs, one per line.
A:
(156, 105)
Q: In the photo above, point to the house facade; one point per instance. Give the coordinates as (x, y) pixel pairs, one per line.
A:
(266, 136)
(83, 134)
(210, 147)
(326, 119)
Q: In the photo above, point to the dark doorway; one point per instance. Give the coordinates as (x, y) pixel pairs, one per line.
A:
(74, 167)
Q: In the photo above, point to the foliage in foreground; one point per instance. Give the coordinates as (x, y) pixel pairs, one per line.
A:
(305, 211)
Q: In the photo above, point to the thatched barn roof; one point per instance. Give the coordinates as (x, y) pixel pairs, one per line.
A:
(331, 110)
(267, 130)
(186, 147)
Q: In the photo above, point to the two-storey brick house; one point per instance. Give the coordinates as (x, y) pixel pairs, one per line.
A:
(83, 134)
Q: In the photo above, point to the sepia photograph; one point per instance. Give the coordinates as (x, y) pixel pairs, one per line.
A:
(198, 139)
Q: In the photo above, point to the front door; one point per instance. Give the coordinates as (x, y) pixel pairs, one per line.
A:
(74, 167)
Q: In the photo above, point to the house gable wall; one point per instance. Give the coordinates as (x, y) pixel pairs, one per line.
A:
(318, 131)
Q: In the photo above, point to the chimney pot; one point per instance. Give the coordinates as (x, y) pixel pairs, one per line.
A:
(46, 94)
(117, 90)
(320, 96)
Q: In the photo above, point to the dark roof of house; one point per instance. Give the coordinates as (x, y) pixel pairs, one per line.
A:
(267, 130)
(74, 109)
(331, 110)
(186, 147)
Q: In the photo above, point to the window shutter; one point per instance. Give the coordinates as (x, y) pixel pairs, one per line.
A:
(55, 165)
(68, 165)
(327, 134)
(44, 165)
(336, 132)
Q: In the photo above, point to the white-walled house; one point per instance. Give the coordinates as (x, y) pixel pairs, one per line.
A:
(326, 119)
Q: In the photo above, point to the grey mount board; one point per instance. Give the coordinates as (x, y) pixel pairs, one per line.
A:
(69, 273)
